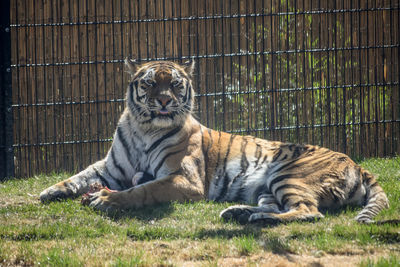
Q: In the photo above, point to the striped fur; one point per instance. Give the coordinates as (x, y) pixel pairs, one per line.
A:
(161, 153)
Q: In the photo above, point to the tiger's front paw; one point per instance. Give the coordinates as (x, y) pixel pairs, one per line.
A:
(56, 192)
(104, 201)
(239, 213)
(265, 218)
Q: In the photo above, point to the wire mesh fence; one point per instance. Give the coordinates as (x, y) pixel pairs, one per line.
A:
(306, 71)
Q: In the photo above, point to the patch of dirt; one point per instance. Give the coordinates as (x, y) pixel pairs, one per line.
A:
(18, 200)
(289, 260)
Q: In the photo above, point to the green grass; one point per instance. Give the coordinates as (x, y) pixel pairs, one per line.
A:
(68, 234)
(390, 261)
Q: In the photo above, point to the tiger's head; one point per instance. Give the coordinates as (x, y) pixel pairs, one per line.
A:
(160, 93)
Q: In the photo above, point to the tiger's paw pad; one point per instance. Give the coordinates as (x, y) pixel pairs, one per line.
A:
(264, 218)
(238, 213)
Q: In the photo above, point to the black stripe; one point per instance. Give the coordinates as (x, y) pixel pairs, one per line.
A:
(241, 195)
(197, 162)
(244, 163)
(219, 152)
(262, 189)
(211, 139)
(163, 160)
(297, 151)
(228, 150)
(185, 97)
(166, 147)
(177, 172)
(310, 148)
(328, 177)
(115, 179)
(139, 98)
(286, 197)
(147, 177)
(373, 184)
(305, 202)
(318, 161)
(290, 165)
(279, 179)
(206, 158)
(371, 196)
(287, 186)
(140, 75)
(147, 121)
(367, 177)
(167, 135)
(124, 145)
(103, 180)
(258, 154)
(335, 198)
(205, 155)
(236, 196)
(132, 130)
(224, 189)
(120, 169)
(226, 178)
(137, 108)
(284, 166)
(276, 155)
(264, 159)
(131, 88)
(190, 92)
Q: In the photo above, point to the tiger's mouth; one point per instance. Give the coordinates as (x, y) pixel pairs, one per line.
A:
(164, 112)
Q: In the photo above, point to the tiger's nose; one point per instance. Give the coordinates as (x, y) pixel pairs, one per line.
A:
(164, 100)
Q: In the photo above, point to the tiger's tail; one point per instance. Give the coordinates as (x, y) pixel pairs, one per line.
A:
(375, 198)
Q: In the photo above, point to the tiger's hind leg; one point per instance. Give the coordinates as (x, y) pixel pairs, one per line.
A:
(298, 212)
(242, 213)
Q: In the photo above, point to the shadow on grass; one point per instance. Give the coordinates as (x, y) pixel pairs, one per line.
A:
(228, 233)
(145, 214)
(173, 233)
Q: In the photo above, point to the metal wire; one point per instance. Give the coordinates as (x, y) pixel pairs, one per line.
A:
(213, 17)
(307, 71)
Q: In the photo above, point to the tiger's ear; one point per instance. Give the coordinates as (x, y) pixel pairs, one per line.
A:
(131, 66)
(189, 66)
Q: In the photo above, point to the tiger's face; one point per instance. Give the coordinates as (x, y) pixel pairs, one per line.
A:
(160, 93)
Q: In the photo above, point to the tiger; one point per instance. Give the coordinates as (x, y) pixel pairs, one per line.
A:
(161, 153)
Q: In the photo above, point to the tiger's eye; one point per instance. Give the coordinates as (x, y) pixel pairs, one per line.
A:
(149, 82)
(175, 83)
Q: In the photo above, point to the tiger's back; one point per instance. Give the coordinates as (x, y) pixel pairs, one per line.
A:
(161, 153)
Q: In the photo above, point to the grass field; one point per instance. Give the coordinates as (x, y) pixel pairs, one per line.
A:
(189, 234)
